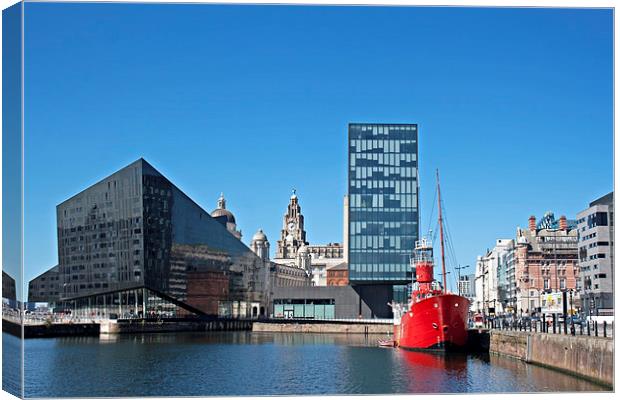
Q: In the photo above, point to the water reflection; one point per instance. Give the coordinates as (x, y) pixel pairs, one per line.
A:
(214, 364)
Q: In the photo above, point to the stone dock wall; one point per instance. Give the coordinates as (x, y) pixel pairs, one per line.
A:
(293, 327)
(588, 357)
(50, 330)
(141, 326)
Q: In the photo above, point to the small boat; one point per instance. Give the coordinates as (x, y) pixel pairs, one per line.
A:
(387, 343)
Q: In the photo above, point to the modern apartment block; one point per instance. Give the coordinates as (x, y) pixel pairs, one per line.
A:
(133, 243)
(383, 211)
(596, 252)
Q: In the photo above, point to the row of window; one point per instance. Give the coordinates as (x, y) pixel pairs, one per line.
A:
(382, 173)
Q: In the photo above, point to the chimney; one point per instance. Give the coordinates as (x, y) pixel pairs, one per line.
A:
(563, 224)
(532, 222)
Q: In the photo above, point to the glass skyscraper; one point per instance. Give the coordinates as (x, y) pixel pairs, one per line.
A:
(383, 205)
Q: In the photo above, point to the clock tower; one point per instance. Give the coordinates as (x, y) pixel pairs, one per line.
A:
(293, 235)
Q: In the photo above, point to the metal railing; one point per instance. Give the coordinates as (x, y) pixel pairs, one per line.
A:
(554, 326)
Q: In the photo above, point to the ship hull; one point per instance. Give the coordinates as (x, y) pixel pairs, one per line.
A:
(437, 323)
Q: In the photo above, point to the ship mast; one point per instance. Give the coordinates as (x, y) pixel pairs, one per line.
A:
(443, 258)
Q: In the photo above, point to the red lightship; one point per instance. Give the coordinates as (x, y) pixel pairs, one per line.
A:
(434, 319)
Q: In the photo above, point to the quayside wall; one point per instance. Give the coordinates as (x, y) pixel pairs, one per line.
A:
(296, 327)
(50, 330)
(585, 356)
(142, 326)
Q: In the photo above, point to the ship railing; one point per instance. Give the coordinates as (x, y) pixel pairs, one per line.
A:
(416, 258)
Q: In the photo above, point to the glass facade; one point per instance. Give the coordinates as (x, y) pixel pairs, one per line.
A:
(136, 230)
(304, 308)
(383, 203)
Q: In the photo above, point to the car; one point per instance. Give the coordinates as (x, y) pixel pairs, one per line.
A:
(575, 319)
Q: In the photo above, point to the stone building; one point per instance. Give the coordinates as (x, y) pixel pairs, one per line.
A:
(294, 250)
(292, 235)
(281, 275)
(225, 217)
(490, 279)
(596, 255)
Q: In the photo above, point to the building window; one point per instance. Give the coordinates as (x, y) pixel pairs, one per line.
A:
(562, 283)
(546, 283)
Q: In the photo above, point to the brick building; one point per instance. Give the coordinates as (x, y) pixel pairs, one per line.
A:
(338, 275)
(545, 261)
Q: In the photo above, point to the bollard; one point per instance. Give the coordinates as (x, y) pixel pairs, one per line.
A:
(604, 328)
(572, 328)
(588, 322)
(553, 316)
(581, 328)
(595, 328)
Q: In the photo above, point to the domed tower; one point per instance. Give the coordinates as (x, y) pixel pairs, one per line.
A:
(260, 245)
(304, 258)
(225, 217)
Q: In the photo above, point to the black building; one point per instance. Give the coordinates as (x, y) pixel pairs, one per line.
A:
(8, 287)
(45, 287)
(383, 211)
(134, 244)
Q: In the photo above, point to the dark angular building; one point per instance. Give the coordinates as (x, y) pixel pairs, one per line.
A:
(134, 244)
(45, 287)
(8, 287)
(383, 211)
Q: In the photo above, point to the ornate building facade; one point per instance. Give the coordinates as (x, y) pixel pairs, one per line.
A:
(281, 275)
(225, 217)
(292, 235)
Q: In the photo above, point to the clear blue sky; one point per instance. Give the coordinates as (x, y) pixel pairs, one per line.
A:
(514, 107)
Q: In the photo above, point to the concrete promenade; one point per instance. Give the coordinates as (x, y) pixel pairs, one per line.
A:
(584, 356)
(314, 326)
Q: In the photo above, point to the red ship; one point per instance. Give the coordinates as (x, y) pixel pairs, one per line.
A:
(434, 319)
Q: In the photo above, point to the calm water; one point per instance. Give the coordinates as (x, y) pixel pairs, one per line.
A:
(243, 363)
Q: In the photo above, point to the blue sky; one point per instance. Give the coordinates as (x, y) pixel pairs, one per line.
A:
(514, 107)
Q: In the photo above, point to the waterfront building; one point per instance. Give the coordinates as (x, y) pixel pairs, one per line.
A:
(281, 275)
(596, 252)
(319, 302)
(491, 279)
(382, 211)
(481, 284)
(260, 245)
(330, 250)
(225, 217)
(466, 287)
(9, 292)
(508, 294)
(134, 244)
(294, 250)
(293, 234)
(338, 275)
(545, 262)
(45, 288)
(497, 276)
